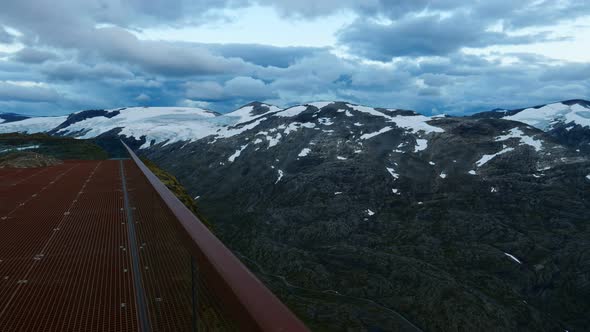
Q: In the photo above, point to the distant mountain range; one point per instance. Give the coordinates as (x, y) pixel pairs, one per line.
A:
(11, 117)
(368, 218)
(154, 125)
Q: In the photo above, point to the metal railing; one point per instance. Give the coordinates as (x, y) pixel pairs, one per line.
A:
(225, 294)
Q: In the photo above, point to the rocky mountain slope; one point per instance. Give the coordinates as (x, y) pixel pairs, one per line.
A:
(378, 219)
(456, 223)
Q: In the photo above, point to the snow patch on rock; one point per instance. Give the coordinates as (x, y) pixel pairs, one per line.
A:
(371, 135)
(245, 114)
(321, 104)
(237, 153)
(487, 157)
(392, 172)
(415, 123)
(524, 139)
(513, 258)
(291, 112)
(280, 176)
(304, 152)
(421, 144)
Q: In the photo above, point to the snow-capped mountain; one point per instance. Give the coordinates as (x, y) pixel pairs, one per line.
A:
(32, 125)
(546, 117)
(167, 125)
(570, 114)
(155, 124)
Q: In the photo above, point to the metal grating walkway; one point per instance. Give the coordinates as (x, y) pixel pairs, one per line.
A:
(64, 263)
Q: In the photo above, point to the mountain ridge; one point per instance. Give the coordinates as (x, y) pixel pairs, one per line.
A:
(11, 117)
(258, 106)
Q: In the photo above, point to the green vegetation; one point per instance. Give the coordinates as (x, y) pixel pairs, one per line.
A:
(62, 148)
(26, 159)
(172, 183)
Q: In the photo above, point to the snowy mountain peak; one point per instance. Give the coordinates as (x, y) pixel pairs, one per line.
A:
(32, 125)
(547, 116)
(321, 104)
(568, 121)
(157, 124)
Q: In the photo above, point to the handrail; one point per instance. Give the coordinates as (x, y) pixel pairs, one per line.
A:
(251, 304)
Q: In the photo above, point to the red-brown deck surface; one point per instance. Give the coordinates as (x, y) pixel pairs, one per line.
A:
(95, 246)
(64, 262)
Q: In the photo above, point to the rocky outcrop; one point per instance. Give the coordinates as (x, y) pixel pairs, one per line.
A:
(27, 160)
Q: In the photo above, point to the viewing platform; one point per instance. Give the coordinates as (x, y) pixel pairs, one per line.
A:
(105, 246)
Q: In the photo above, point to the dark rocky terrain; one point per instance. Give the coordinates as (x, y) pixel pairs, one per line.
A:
(330, 235)
(366, 219)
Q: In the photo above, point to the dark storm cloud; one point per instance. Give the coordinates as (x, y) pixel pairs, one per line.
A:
(9, 91)
(425, 35)
(571, 72)
(17, 71)
(421, 27)
(157, 57)
(68, 71)
(240, 88)
(59, 25)
(148, 13)
(87, 56)
(31, 55)
(264, 55)
(436, 80)
(429, 92)
(160, 57)
(525, 13)
(456, 84)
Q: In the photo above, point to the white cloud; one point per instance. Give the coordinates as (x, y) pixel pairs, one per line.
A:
(194, 103)
(143, 98)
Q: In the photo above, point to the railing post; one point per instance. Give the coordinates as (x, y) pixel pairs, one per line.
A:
(194, 294)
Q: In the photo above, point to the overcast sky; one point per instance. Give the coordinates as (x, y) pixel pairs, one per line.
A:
(453, 56)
